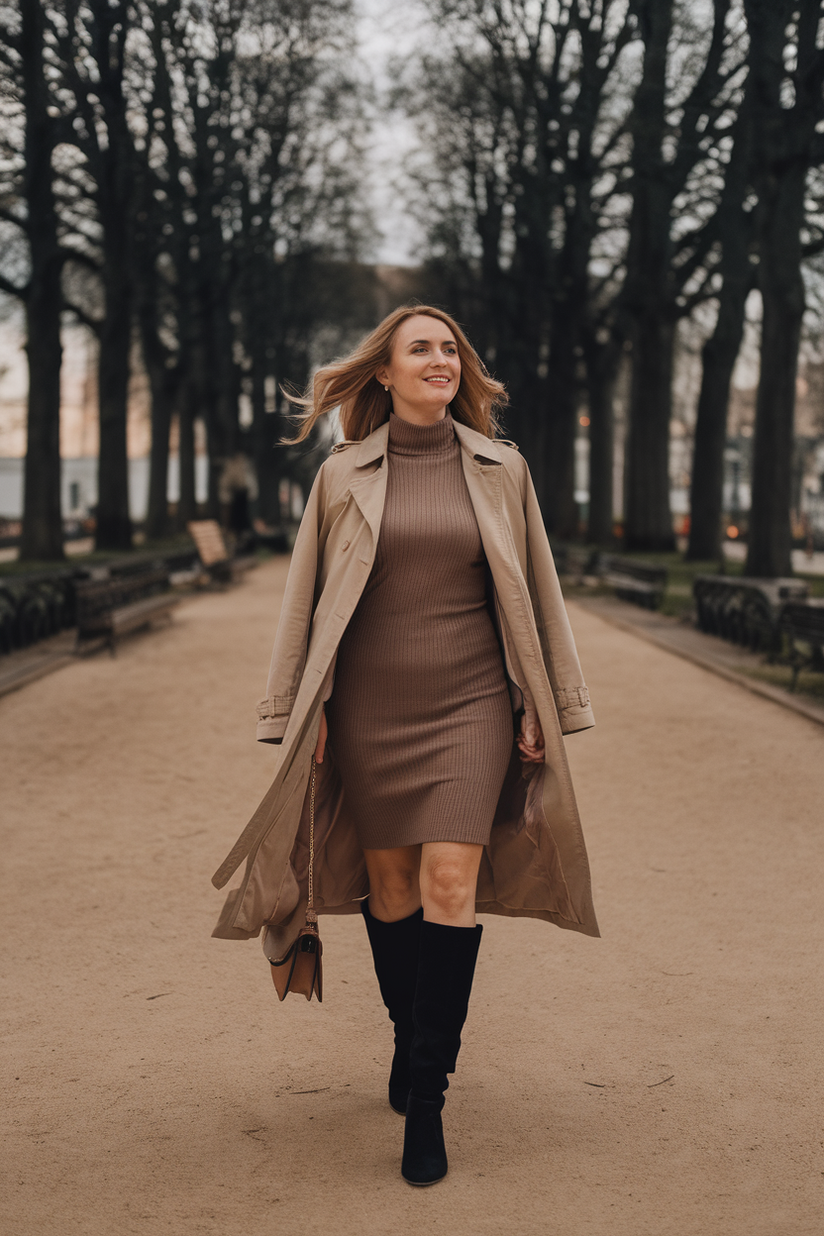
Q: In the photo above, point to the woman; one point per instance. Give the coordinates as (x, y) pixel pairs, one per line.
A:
(424, 658)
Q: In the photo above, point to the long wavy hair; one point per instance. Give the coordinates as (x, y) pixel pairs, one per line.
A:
(351, 384)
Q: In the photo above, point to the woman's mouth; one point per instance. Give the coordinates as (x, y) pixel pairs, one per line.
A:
(438, 380)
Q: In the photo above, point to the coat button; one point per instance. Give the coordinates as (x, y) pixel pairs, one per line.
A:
(345, 545)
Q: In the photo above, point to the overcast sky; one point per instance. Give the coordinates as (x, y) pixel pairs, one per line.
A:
(385, 29)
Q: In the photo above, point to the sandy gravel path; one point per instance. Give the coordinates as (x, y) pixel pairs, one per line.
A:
(665, 1080)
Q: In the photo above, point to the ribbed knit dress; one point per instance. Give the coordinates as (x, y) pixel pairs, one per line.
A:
(420, 720)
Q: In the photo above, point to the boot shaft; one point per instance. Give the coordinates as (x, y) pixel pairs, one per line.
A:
(446, 968)
(395, 954)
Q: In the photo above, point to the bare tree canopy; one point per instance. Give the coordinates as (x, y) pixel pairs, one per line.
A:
(180, 175)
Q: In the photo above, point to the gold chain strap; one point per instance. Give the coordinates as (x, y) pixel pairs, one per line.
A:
(311, 916)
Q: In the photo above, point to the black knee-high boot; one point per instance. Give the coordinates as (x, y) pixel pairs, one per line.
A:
(446, 967)
(395, 953)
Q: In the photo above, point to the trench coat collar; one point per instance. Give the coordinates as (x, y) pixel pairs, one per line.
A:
(475, 444)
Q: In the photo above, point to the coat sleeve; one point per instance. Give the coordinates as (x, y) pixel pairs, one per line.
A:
(291, 640)
(555, 633)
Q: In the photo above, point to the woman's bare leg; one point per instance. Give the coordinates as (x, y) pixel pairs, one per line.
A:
(449, 881)
(394, 882)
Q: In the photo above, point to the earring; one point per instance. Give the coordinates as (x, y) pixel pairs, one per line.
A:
(386, 388)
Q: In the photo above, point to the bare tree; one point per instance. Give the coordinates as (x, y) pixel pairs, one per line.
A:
(524, 110)
(735, 236)
(787, 68)
(664, 256)
(29, 209)
(93, 51)
(252, 128)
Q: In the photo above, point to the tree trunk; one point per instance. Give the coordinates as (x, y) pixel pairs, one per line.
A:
(560, 510)
(648, 523)
(718, 358)
(160, 384)
(568, 316)
(602, 360)
(784, 151)
(218, 443)
(267, 428)
(115, 183)
(42, 536)
(721, 349)
(188, 405)
(519, 328)
(782, 294)
(648, 298)
(154, 305)
(114, 525)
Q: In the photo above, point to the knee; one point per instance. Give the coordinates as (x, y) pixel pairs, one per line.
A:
(393, 892)
(450, 891)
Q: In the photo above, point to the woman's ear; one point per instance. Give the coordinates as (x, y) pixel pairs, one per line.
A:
(382, 376)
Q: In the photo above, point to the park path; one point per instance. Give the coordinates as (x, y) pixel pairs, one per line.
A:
(662, 1081)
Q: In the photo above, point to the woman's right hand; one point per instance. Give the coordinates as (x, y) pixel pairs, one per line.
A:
(322, 732)
(531, 740)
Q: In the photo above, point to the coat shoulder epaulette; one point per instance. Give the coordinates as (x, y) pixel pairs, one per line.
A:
(507, 442)
(341, 446)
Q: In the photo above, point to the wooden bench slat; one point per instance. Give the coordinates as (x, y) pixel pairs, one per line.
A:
(111, 607)
(127, 617)
(139, 612)
(803, 622)
(640, 582)
(208, 538)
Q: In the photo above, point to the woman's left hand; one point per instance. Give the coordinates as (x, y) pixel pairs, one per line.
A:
(531, 741)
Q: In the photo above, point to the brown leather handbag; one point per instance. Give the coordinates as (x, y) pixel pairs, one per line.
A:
(301, 970)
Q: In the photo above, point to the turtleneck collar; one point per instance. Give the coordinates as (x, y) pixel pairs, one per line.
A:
(408, 439)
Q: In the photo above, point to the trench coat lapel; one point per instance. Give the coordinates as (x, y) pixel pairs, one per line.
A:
(484, 481)
(368, 488)
(483, 472)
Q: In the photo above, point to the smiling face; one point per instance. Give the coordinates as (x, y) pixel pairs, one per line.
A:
(424, 372)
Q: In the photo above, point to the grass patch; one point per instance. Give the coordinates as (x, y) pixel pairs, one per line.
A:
(677, 600)
(816, 583)
(809, 684)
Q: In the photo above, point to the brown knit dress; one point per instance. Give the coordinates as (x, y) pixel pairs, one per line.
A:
(420, 720)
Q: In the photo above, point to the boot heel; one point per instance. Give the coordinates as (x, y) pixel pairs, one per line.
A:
(424, 1153)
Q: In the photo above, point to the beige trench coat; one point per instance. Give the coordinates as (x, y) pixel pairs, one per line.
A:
(535, 864)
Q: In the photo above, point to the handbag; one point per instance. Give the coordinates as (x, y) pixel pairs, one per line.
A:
(301, 970)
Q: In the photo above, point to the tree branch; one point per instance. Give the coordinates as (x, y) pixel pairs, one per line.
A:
(84, 318)
(10, 289)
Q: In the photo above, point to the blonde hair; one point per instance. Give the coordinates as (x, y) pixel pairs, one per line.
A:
(351, 383)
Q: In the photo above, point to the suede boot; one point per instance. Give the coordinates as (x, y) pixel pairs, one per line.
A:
(446, 967)
(395, 953)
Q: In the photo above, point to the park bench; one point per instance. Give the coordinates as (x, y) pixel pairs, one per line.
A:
(214, 555)
(576, 562)
(108, 608)
(744, 610)
(643, 583)
(802, 622)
